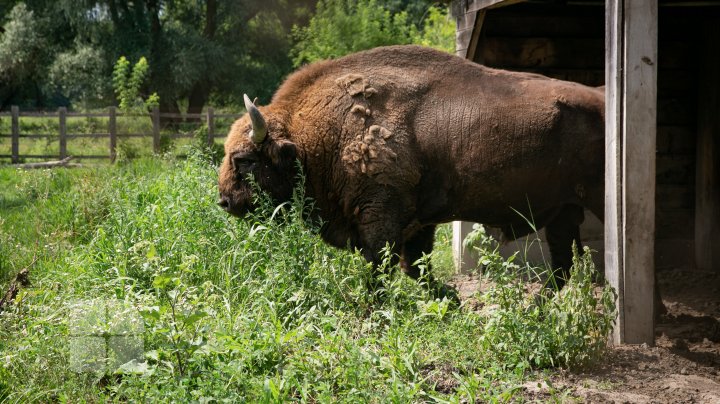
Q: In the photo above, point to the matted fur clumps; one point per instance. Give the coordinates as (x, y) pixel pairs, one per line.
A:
(397, 139)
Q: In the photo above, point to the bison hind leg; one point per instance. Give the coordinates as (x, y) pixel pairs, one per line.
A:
(413, 249)
(561, 231)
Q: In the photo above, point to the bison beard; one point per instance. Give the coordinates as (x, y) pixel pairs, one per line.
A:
(395, 140)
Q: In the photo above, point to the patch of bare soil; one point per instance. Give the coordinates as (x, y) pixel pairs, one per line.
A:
(682, 367)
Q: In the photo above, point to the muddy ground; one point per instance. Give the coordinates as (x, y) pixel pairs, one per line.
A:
(682, 367)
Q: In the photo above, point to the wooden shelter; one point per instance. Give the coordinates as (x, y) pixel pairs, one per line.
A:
(660, 62)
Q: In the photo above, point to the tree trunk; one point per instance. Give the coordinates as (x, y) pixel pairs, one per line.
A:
(198, 97)
(114, 16)
(210, 19)
(201, 90)
(157, 62)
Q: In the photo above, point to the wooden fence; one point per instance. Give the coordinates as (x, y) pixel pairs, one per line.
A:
(209, 118)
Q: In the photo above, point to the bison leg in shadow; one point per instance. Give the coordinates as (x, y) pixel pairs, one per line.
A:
(562, 228)
(561, 232)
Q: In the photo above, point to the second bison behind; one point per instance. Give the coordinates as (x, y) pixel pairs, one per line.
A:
(395, 140)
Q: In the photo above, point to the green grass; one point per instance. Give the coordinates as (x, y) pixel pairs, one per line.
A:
(257, 310)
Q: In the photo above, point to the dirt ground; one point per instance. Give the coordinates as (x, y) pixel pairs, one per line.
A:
(682, 367)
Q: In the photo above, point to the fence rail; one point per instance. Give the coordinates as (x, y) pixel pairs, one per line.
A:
(209, 118)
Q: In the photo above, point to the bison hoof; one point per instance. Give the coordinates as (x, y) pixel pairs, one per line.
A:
(440, 290)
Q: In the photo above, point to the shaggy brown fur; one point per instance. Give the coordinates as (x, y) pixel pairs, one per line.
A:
(398, 139)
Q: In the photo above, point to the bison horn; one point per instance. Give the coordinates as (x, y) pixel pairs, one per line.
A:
(259, 128)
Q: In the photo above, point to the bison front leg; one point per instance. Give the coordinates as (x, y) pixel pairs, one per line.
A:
(377, 228)
(413, 248)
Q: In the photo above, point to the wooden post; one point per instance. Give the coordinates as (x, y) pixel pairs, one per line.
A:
(463, 258)
(468, 25)
(112, 130)
(62, 135)
(156, 129)
(15, 133)
(467, 33)
(631, 92)
(707, 174)
(210, 127)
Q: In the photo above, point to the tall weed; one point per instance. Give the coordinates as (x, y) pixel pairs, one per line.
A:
(541, 328)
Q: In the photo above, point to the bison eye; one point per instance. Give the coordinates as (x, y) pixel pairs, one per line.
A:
(243, 164)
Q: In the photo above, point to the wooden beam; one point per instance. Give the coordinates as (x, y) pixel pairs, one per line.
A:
(15, 133)
(62, 134)
(112, 130)
(156, 129)
(210, 121)
(48, 164)
(469, 20)
(463, 258)
(474, 44)
(477, 5)
(631, 105)
(464, 28)
(707, 173)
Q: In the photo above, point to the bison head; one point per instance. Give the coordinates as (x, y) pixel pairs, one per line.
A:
(256, 148)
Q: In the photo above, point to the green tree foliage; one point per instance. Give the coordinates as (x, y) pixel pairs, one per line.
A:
(438, 30)
(128, 81)
(78, 73)
(20, 50)
(62, 52)
(343, 26)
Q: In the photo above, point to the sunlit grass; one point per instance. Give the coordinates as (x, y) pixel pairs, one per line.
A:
(257, 309)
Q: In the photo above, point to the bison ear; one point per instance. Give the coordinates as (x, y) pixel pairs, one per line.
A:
(282, 153)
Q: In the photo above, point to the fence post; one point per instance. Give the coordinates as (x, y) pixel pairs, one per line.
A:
(210, 127)
(156, 129)
(15, 133)
(112, 129)
(62, 112)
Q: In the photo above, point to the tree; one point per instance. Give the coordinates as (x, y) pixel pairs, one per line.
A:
(201, 49)
(343, 26)
(196, 50)
(21, 49)
(62, 52)
(34, 34)
(128, 79)
(79, 74)
(438, 30)
(340, 27)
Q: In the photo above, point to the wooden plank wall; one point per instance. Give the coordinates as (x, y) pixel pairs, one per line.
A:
(707, 194)
(676, 137)
(568, 42)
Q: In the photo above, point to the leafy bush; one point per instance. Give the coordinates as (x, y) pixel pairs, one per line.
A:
(80, 74)
(20, 45)
(568, 328)
(128, 81)
(438, 30)
(340, 27)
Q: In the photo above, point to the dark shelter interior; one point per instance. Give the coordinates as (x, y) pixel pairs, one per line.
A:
(567, 40)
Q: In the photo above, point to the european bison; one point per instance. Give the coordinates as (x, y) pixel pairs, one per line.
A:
(397, 139)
